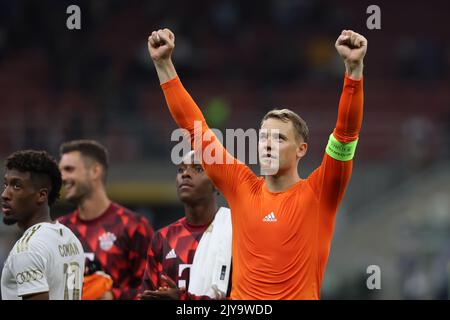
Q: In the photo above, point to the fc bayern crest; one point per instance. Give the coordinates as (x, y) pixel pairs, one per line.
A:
(107, 240)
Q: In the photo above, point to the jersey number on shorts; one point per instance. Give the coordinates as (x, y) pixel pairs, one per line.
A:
(71, 280)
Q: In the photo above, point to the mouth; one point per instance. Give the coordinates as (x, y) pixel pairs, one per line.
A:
(6, 208)
(267, 156)
(69, 185)
(185, 186)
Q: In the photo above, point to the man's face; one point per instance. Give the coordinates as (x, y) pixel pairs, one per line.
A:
(19, 197)
(192, 182)
(76, 176)
(278, 147)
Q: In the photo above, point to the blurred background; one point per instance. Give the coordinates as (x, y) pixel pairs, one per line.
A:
(240, 59)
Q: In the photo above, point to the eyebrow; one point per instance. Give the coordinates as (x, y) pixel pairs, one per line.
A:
(189, 165)
(12, 180)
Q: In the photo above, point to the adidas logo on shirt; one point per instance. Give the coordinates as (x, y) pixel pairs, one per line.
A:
(270, 218)
(171, 255)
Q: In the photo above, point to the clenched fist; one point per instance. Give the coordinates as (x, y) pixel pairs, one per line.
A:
(352, 47)
(161, 44)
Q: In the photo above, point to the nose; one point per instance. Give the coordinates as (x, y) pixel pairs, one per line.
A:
(63, 175)
(5, 194)
(185, 174)
(266, 145)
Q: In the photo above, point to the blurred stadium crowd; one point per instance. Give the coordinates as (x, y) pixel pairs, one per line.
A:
(241, 59)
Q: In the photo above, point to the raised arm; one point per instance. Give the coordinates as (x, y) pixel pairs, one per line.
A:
(352, 47)
(331, 178)
(183, 108)
(222, 168)
(160, 46)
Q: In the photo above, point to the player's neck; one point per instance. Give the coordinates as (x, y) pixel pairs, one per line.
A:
(43, 215)
(201, 213)
(278, 183)
(94, 205)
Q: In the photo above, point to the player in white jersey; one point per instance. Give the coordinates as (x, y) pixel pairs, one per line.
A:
(48, 258)
(47, 262)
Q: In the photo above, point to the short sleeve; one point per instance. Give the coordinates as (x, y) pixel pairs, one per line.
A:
(29, 270)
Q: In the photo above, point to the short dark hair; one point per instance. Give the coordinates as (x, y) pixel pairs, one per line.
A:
(285, 115)
(90, 149)
(42, 168)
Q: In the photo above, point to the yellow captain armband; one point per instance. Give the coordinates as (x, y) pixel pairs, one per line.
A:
(339, 150)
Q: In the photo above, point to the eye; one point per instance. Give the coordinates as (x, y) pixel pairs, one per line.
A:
(16, 186)
(198, 169)
(180, 170)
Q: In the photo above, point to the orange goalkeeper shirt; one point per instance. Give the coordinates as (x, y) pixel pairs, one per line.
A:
(281, 240)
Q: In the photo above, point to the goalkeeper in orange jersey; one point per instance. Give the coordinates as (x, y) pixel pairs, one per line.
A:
(282, 224)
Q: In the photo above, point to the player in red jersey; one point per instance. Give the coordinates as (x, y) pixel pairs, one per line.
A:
(173, 248)
(115, 240)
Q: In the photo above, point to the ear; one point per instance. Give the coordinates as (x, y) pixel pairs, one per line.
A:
(302, 148)
(42, 196)
(96, 171)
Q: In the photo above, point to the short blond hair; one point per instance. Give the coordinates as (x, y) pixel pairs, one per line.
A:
(286, 115)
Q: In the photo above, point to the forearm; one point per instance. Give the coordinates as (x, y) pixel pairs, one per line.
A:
(182, 107)
(188, 116)
(350, 112)
(165, 70)
(185, 295)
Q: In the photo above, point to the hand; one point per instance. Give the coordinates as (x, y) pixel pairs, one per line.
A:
(97, 286)
(352, 47)
(166, 292)
(107, 296)
(161, 44)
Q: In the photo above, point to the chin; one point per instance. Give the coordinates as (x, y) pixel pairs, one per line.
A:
(265, 163)
(68, 197)
(9, 221)
(73, 198)
(184, 196)
(270, 167)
